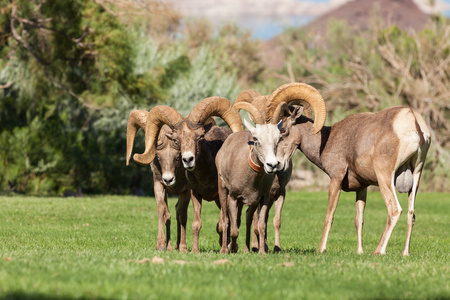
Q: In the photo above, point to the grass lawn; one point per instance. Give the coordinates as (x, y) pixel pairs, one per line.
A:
(89, 248)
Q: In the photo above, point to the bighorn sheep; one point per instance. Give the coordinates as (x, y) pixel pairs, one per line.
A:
(168, 176)
(278, 189)
(387, 148)
(246, 152)
(199, 143)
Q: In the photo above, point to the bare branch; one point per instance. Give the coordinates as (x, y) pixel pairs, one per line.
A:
(21, 40)
(5, 86)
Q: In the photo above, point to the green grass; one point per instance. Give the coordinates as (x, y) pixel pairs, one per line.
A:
(88, 248)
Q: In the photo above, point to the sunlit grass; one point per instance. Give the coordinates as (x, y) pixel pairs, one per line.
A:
(61, 248)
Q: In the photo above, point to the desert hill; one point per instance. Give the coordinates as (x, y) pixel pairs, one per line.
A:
(359, 13)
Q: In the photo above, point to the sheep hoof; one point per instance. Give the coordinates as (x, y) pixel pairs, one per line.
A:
(276, 249)
(255, 249)
(321, 251)
(233, 248)
(160, 248)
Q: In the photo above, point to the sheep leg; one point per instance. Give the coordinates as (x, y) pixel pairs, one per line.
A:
(182, 208)
(361, 197)
(394, 210)
(161, 204)
(167, 221)
(411, 201)
(277, 220)
(197, 223)
(223, 224)
(262, 224)
(233, 211)
(251, 217)
(333, 198)
(255, 231)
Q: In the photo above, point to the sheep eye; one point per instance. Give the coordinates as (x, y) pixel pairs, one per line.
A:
(282, 130)
(202, 137)
(255, 139)
(175, 144)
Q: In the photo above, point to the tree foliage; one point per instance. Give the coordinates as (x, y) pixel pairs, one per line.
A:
(71, 72)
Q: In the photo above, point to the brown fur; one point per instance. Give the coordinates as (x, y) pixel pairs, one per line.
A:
(367, 149)
(240, 184)
(168, 160)
(203, 178)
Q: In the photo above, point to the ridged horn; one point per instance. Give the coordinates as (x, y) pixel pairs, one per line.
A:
(256, 116)
(279, 112)
(296, 90)
(247, 96)
(215, 106)
(157, 117)
(136, 121)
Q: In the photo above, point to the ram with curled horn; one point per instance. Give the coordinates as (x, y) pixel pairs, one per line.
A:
(387, 148)
(253, 153)
(168, 176)
(199, 141)
(271, 108)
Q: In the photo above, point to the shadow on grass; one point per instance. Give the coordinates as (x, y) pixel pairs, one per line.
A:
(301, 251)
(34, 296)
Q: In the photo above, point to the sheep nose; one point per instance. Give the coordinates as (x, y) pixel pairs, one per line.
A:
(272, 165)
(188, 160)
(169, 181)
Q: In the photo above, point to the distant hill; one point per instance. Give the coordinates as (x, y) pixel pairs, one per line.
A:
(358, 14)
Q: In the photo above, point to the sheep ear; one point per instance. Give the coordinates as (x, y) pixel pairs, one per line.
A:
(207, 127)
(280, 125)
(249, 126)
(298, 112)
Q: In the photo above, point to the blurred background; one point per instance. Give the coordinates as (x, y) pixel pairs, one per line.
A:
(71, 71)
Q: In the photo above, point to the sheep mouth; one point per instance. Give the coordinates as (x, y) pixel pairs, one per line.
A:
(269, 170)
(189, 168)
(282, 167)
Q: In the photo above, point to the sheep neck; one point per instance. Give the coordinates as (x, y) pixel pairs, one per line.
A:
(312, 145)
(255, 167)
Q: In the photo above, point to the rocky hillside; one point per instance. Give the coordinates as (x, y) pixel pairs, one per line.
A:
(359, 13)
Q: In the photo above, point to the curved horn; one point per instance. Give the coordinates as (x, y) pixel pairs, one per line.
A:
(247, 96)
(256, 116)
(279, 112)
(215, 106)
(296, 90)
(157, 117)
(136, 121)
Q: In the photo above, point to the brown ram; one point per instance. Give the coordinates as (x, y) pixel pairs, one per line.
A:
(199, 142)
(278, 188)
(168, 176)
(387, 148)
